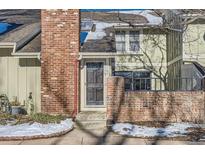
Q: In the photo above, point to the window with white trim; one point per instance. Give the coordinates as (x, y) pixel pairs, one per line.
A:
(135, 80)
(120, 40)
(127, 41)
(134, 41)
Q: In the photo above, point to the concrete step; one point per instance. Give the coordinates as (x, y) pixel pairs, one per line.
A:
(91, 116)
(91, 120)
(90, 124)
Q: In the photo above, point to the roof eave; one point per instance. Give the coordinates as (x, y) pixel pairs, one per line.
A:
(139, 26)
(26, 54)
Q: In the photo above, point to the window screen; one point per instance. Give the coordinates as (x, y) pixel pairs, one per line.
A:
(120, 40)
(134, 41)
(138, 80)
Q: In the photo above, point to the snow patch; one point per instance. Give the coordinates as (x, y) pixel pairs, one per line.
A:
(35, 129)
(100, 30)
(155, 20)
(99, 33)
(172, 130)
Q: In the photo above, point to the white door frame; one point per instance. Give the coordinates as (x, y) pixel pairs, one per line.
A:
(83, 106)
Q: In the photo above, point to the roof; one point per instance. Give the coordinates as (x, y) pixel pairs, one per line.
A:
(33, 46)
(200, 68)
(100, 38)
(97, 37)
(113, 17)
(27, 34)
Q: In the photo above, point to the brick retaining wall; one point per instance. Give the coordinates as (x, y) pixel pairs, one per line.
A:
(136, 106)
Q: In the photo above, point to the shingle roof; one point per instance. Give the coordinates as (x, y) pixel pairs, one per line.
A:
(29, 21)
(113, 17)
(102, 38)
(33, 46)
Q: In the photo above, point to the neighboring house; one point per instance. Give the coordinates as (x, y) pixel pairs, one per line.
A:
(194, 39)
(20, 46)
(185, 48)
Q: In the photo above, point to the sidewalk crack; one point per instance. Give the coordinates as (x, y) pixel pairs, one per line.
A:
(82, 141)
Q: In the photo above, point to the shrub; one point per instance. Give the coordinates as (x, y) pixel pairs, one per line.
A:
(5, 116)
(46, 118)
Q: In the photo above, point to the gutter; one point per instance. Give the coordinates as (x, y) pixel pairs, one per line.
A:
(8, 45)
(105, 54)
(26, 54)
(75, 104)
(76, 64)
(20, 44)
(19, 54)
(141, 26)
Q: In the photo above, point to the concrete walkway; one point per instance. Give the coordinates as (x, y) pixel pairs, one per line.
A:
(100, 136)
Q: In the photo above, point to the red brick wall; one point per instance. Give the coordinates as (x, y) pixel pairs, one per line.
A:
(135, 106)
(60, 47)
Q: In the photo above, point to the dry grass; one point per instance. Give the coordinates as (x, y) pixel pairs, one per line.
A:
(39, 117)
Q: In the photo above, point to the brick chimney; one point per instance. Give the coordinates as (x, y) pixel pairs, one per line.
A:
(59, 67)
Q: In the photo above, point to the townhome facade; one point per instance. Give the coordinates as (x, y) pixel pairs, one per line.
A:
(117, 45)
(123, 63)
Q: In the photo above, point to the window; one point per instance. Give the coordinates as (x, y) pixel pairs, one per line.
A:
(139, 80)
(120, 40)
(134, 41)
(127, 41)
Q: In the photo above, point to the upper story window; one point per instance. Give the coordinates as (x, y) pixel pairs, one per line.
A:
(120, 40)
(127, 41)
(134, 41)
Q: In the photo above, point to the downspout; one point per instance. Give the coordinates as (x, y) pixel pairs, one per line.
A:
(75, 107)
(76, 67)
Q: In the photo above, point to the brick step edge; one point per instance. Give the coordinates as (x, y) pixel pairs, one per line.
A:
(16, 138)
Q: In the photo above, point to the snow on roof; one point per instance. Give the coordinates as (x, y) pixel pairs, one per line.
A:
(86, 24)
(103, 25)
(100, 30)
(99, 33)
(153, 19)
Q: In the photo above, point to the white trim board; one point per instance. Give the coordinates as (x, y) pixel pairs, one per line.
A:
(174, 60)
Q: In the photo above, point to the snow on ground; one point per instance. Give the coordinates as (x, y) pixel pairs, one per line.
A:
(172, 130)
(35, 129)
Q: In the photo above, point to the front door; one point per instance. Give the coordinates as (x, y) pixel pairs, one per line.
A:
(94, 84)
